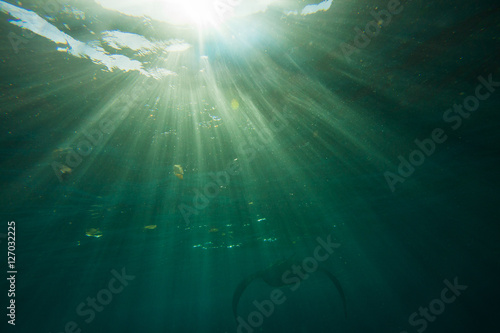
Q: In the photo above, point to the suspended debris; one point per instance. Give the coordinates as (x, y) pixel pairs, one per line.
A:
(178, 171)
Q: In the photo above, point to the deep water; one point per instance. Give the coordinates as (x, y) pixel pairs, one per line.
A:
(286, 141)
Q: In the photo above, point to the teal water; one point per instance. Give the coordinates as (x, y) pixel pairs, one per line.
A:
(291, 133)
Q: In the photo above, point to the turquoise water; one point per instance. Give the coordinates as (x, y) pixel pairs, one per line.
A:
(153, 169)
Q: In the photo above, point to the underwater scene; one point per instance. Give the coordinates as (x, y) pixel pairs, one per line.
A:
(249, 166)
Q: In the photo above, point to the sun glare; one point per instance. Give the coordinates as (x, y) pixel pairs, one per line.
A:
(202, 13)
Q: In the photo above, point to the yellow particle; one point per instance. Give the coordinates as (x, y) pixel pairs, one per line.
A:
(93, 232)
(178, 171)
(235, 104)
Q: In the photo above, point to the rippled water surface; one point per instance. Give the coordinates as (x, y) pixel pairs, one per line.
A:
(249, 166)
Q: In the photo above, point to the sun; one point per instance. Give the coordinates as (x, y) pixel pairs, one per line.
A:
(202, 13)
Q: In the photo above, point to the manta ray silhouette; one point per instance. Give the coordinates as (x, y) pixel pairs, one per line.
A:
(273, 276)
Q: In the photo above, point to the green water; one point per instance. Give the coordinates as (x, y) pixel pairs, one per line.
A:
(292, 131)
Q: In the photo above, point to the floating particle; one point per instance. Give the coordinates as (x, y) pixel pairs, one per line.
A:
(235, 104)
(93, 232)
(178, 171)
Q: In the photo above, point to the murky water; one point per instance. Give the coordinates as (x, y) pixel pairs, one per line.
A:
(265, 166)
